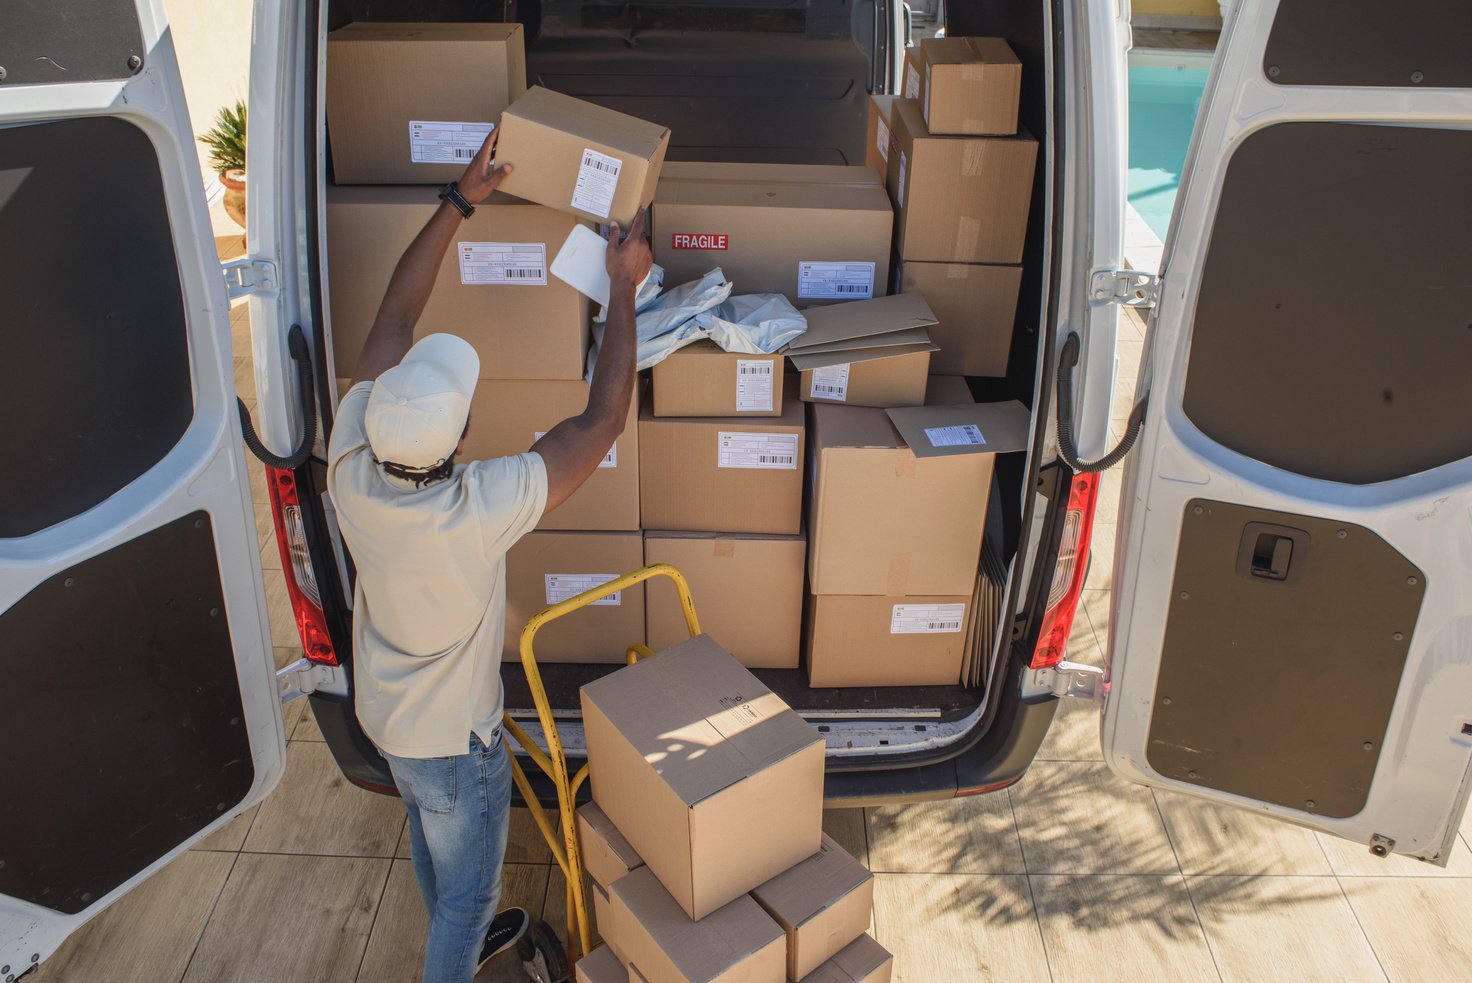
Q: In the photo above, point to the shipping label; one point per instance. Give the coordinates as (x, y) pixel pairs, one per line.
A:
(964, 435)
(561, 586)
(835, 281)
(900, 187)
(753, 385)
(699, 240)
(610, 460)
(830, 382)
(518, 264)
(926, 619)
(881, 137)
(433, 142)
(925, 106)
(597, 182)
(912, 81)
(763, 451)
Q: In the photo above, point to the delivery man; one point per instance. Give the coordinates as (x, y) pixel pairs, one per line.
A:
(429, 537)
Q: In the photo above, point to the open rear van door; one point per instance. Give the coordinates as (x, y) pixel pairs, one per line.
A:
(140, 706)
(1293, 623)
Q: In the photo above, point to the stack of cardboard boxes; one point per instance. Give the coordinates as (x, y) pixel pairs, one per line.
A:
(704, 843)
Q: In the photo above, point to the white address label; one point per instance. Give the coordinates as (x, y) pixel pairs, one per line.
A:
(610, 460)
(830, 382)
(521, 264)
(925, 107)
(835, 281)
(926, 619)
(753, 385)
(912, 81)
(597, 182)
(561, 586)
(765, 451)
(900, 187)
(881, 137)
(964, 435)
(432, 142)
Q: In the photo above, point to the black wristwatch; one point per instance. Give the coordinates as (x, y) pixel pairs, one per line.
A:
(451, 193)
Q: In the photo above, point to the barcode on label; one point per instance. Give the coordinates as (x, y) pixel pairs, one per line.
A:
(432, 142)
(769, 451)
(827, 389)
(835, 281)
(964, 435)
(522, 264)
(596, 183)
(464, 153)
(753, 386)
(561, 586)
(830, 382)
(602, 165)
(926, 619)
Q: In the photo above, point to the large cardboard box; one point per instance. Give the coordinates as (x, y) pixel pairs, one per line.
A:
(971, 85)
(861, 961)
(816, 233)
(958, 199)
(748, 592)
(894, 640)
(547, 567)
(722, 474)
(579, 157)
(895, 381)
(868, 353)
(712, 778)
(412, 103)
(878, 141)
(703, 380)
(822, 904)
(493, 289)
(509, 416)
(975, 307)
(607, 855)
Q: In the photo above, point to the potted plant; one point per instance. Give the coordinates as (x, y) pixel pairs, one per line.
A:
(226, 143)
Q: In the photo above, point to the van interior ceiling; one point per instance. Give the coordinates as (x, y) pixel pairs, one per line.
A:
(778, 82)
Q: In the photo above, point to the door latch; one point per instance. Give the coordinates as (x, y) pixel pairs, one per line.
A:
(246, 276)
(1128, 288)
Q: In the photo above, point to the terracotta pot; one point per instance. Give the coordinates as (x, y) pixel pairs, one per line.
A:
(234, 182)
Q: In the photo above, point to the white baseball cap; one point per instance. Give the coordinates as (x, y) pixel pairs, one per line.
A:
(417, 411)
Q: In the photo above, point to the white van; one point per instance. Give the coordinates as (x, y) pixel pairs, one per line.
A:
(1292, 623)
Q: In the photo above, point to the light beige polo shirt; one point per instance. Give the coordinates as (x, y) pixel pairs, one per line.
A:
(429, 607)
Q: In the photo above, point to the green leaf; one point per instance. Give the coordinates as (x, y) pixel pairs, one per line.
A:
(226, 139)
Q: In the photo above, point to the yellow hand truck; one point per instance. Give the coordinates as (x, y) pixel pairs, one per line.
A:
(564, 843)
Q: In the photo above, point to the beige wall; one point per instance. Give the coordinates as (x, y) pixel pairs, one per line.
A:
(1187, 8)
(212, 40)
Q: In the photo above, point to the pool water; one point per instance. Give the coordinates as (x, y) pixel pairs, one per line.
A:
(1165, 93)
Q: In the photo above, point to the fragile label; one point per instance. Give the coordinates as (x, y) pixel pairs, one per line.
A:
(830, 382)
(699, 240)
(835, 281)
(610, 460)
(765, 451)
(445, 143)
(926, 619)
(900, 186)
(966, 434)
(753, 385)
(561, 586)
(597, 182)
(912, 82)
(522, 264)
(881, 137)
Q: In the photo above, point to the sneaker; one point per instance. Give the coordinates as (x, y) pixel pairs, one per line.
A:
(506, 930)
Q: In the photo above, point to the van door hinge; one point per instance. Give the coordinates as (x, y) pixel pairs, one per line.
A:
(305, 677)
(246, 276)
(1068, 679)
(1128, 288)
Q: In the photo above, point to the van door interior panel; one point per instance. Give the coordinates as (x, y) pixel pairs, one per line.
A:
(42, 41)
(1408, 44)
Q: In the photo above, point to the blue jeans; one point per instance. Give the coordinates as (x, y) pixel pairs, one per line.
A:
(459, 810)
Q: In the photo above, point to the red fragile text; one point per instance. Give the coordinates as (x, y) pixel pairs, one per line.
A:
(698, 240)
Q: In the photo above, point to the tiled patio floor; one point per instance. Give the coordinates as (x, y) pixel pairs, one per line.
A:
(1070, 875)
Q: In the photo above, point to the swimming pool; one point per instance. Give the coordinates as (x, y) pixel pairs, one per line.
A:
(1165, 93)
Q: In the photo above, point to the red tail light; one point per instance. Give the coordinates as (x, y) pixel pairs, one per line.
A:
(296, 564)
(982, 789)
(1069, 573)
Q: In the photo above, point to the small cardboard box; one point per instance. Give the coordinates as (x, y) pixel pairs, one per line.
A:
(748, 591)
(912, 82)
(822, 904)
(958, 199)
(492, 289)
(895, 640)
(713, 779)
(815, 233)
(861, 961)
(722, 474)
(412, 103)
(894, 381)
(603, 918)
(975, 308)
(579, 157)
(509, 416)
(736, 943)
(866, 353)
(877, 144)
(703, 380)
(604, 965)
(971, 85)
(547, 567)
(606, 854)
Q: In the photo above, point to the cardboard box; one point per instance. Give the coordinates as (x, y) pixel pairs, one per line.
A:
(879, 140)
(607, 856)
(895, 640)
(713, 779)
(823, 904)
(815, 233)
(703, 380)
(722, 474)
(912, 82)
(867, 353)
(524, 323)
(897, 381)
(748, 592)
(958, 199)
(861, 961)
(547, 567)
(975, 309)
(971, 85)
(736, 943)
(412, 103)
(601, 965)
(509, 416)
(579, 157)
